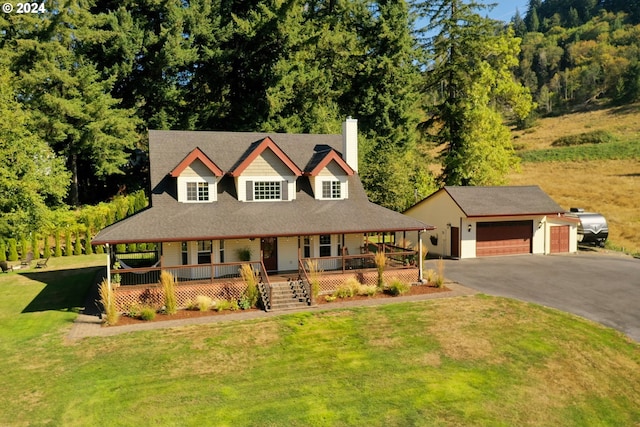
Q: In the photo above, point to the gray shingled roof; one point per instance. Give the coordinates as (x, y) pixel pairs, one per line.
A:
(503, 201)
(169, 220)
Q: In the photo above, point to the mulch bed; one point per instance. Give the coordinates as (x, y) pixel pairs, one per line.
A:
(189, 314)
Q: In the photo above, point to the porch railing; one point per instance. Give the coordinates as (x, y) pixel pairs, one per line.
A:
(201, 273)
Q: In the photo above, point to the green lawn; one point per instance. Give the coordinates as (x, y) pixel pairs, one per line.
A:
(468, 361)
(578, 153)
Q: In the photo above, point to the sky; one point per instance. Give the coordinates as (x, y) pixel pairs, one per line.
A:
(506, 9)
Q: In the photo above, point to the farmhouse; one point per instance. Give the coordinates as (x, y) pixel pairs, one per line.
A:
(486, 221)
(275, 201)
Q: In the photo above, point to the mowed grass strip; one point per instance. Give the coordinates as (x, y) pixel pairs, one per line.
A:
(475, 361)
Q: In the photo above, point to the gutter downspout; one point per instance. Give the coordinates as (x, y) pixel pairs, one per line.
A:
(108, 266)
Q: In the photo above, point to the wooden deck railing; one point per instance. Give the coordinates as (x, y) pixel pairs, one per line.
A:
(185, 273)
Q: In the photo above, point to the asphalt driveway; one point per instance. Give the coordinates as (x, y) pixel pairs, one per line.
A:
(602, 288)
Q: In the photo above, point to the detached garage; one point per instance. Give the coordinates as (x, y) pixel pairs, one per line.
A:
(490, 221)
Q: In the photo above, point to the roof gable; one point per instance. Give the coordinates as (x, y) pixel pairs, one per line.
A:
(257, 149)
(325, 159)
(194, 155)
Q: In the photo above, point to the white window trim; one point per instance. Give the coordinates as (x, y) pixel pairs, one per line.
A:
(182, 188)
(318, 182)
(277, 184)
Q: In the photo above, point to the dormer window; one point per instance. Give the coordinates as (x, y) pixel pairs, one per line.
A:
(267, 190)
(331, 190)
(197, 191)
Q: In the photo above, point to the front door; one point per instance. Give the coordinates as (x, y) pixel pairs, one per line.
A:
(269, 249)
(455, 242)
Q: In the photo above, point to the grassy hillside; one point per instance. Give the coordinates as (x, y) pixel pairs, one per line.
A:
(602, 177)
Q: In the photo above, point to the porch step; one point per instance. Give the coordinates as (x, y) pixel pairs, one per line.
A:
(287, 296)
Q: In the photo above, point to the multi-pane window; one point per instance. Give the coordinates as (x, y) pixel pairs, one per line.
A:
(204, 251)
(197, 191)
(325, 245)
(266, 190)
(331, 190)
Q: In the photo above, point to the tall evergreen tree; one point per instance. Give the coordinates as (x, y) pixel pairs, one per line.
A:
(471, 76)
(32, 177)
(71, 102)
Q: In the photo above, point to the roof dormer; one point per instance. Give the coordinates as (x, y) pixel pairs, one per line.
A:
(265, 173)
(328, 175)
(197, 177)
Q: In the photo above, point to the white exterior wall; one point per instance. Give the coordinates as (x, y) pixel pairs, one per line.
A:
(287, 253)
(231, 247)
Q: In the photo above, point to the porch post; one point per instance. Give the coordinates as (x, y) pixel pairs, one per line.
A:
(108, 266)
(421, 261)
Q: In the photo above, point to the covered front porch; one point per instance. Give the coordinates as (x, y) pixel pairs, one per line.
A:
(215, 272)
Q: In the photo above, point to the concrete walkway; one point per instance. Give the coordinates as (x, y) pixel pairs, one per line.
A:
(91, 325)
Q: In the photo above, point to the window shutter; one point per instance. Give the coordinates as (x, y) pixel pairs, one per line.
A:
(284, 191)
(249, 195)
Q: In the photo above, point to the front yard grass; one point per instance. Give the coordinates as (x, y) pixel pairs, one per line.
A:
(474, 361)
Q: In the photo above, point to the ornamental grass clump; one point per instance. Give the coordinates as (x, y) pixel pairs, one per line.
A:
(348, 289)
(380, 260)
(147, 313)
(203, 302)
(108, 301)
(314, 277)
(250, 297)
(440, 276)
(169, 289)
(398, 287)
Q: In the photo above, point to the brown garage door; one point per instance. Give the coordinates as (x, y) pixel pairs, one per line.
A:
(504, 238)
(559, 239)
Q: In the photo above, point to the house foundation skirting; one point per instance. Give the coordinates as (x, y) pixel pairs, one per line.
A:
(153, 296)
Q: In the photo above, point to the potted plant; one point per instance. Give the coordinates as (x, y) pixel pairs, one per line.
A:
(244, 254)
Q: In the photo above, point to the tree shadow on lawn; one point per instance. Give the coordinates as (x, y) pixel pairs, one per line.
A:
(67, 290)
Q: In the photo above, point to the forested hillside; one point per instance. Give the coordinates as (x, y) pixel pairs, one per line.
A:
(576, 52)
(81, 81)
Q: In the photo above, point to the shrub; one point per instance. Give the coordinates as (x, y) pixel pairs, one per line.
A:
(348, 289)
(244, 303)
(440, 276)
(133, 311)
(108, 303)
(381, 260)
(68, 249)
(593, 137)
(397, 287)
(368, 290)
(58, 250)
(203, 302)
(3, 250)
(46, 251)
(233, 305)
(147, 313)
(330, 298)
(13, 250)
(35, 248)
(244, 254)
(221, 305)
(249, 276)
(77, 250)
(24, 248)
(169, 290)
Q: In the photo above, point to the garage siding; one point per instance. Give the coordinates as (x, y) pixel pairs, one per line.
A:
(504, 238)
(559, 239)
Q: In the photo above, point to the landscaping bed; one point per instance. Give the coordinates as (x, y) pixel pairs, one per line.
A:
(321, 300)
